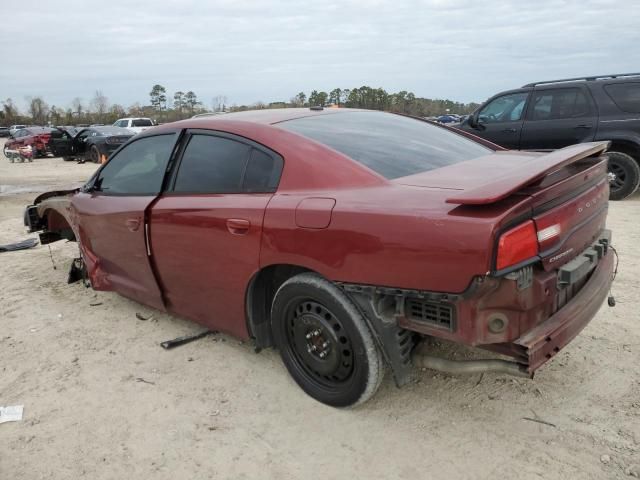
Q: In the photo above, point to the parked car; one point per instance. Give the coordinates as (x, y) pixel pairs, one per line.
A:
(342, 250)
(14, 128)
(137, 124)
(557, 113)
(94, 143)
(4, 131)
(37, 137)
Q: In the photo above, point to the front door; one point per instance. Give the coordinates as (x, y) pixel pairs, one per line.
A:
(112, 219)
(500, 120)
(558, 117)
(206, 229)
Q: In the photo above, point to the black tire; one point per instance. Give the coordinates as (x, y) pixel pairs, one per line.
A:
(68, 159)
(626, 175)
(6, 155)
(94, 154)
(310, 317)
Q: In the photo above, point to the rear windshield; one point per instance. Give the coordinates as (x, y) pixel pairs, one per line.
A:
(391, 145)
(141, 122)
(625, 95)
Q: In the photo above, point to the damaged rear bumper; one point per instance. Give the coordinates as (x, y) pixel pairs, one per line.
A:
(544, 341)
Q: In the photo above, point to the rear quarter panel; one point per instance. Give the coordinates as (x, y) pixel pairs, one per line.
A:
(394, 236)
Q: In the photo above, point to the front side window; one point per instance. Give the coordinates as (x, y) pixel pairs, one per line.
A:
(625, 95)
(507, 108)
(391, 145)
(137, 169)
(559, 104)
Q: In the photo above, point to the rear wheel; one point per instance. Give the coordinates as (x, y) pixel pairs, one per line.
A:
(325, 342)
(624, 175)
(94, 154)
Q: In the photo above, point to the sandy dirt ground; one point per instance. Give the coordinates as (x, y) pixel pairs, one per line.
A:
(102, 400)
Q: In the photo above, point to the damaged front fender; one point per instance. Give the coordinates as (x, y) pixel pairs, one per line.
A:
(51, 215)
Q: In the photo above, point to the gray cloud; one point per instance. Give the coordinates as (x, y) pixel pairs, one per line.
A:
(270, 50)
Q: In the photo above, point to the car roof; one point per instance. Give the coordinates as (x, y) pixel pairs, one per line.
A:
(111, 129)
(264, 116)
(37, 129)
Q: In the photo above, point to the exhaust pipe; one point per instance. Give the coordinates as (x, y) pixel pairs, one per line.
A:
(470, 366)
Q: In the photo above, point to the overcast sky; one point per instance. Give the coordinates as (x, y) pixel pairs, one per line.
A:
(269, 50)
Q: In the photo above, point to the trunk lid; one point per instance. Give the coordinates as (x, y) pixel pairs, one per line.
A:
(566, 192)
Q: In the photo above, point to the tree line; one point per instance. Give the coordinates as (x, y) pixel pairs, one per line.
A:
(372, 99)
(163, 107)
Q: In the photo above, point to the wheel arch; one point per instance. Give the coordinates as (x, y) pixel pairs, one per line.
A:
(625, 144)
(259, 297)
(394, 342)
(55, 225)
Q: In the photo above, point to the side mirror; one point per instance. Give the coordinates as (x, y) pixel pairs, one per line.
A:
(472, 120)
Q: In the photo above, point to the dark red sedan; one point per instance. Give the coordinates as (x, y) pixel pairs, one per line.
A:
(342, 237)
(35, 137)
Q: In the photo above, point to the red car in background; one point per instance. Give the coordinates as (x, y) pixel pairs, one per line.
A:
(342, 237)
(37, 137)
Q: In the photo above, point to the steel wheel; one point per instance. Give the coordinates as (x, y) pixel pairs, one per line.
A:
(319, 343)
(324, 341)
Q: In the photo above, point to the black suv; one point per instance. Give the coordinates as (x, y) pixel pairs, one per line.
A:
(554, 114)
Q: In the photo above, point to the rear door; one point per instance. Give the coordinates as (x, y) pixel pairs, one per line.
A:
(558, 117)
(206, 230)
(500, 120)
(113, 223)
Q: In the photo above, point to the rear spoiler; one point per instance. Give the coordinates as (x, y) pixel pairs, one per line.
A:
(513, 179)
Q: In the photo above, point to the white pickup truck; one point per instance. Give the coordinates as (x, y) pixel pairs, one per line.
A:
(135, 124)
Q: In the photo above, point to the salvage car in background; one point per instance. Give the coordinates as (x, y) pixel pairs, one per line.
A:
(93, 144)
(14, 128)
(342, 250)
(35, 137)
(135, 124)
(557, 113)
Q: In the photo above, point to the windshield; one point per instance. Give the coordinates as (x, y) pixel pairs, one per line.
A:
(392, 145)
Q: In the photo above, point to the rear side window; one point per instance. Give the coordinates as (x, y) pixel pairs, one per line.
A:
(625, 95)
(391, 145)
(559, 104)
(213, 164)
(262, 173)
(137, 169)
(141, 122)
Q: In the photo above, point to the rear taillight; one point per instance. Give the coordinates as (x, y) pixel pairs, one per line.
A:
(517, 245)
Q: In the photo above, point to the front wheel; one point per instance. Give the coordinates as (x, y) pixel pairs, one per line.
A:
(624, 175)
(325, 342)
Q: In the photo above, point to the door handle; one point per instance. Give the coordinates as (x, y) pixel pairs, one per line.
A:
(132, 224)
(510, 130)
(238, 226)
(583, 125)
